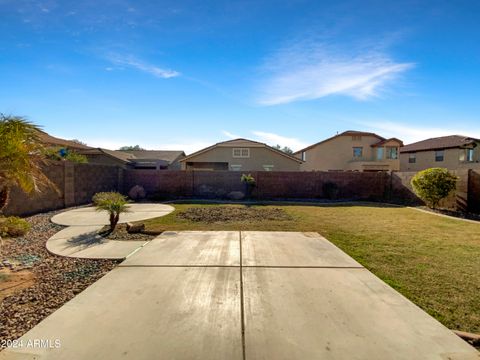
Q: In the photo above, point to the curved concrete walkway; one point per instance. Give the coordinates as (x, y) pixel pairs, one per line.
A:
(80, 238)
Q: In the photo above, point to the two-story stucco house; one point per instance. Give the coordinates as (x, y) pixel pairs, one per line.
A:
(241, 155)
(352, 151)
(451, 152)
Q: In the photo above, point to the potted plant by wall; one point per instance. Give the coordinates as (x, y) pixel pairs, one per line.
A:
(249, 182)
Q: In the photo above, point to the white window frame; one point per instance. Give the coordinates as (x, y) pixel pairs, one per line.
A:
(412, 158)
(235, 167)
(268, 167)
(361, 152)
(439, 154)
(469, 155)
(243, 152)
(390, 151)
(304, 156)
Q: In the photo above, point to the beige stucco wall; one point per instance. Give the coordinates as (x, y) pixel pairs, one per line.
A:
(337, 155)
(451, 160)
(259, 156)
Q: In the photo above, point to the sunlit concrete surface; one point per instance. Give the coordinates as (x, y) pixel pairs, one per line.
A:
(146, 313)
(203, 248)
(90, 216)
(185, 296)
(292, 249)
(334, 313)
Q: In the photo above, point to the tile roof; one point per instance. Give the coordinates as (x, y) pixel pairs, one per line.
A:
(54, 141)
(167, 156)
(444, 142)
(241, 143)
(345, 133)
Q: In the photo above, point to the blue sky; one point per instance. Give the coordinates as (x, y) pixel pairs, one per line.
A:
(186, 74)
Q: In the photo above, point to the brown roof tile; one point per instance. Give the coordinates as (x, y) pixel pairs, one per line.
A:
(444, 142)
(54, 141)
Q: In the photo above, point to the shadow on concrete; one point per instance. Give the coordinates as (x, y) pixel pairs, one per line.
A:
(85, 240)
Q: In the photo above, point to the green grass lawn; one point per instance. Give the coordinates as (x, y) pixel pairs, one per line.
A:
(434, 261)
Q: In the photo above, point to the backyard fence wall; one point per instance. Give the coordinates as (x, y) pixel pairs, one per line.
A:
(269, 185)
(77, 183)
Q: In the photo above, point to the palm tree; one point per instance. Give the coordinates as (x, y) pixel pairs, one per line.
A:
(21, 158)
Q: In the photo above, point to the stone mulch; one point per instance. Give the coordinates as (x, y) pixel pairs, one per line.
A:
(232, 213)
(56, 279)
(121, 234)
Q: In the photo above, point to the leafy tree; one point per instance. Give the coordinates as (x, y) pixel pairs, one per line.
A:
(285, 149)
(434, 184)
(59, 153)
(131, 148)
(22, 157)
(112, 202)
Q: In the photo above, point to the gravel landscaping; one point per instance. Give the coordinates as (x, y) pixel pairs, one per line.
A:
(121, 234)
(51, 280)
(232, 213)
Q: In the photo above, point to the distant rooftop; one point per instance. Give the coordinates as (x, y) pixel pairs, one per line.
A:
(54, 141)
(443, 142)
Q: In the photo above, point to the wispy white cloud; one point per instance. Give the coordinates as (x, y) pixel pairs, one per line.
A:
(409, 134)
(275, 139)
(230, 135)
(133, 62)
(309, 70)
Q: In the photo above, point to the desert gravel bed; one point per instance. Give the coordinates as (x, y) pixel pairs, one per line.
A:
(231, 213)
(57, 279)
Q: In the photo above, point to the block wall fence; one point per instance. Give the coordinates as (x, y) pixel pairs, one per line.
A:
(77, 183)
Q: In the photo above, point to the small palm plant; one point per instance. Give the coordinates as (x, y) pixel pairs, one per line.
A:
(112, 202)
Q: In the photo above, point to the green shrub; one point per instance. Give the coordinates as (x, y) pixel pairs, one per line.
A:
(13, 226)
(248, 179)
(433, 185)
(112, 202)
(76, 157)
(59, 153)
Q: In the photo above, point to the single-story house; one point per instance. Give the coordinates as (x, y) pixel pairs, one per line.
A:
(352, 151)
(241, 155)
(136, 159)
(451, 152)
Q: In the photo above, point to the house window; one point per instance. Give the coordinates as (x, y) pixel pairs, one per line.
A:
(236, 167)
(412, 158)
(268, 167)
(469, 155)
(241, 153)
(304, 155)
(380, 152)
(357, 152)
(439, 155)
(356, 138)
(392, 153)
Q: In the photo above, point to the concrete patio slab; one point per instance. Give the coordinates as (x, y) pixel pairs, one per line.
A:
(84, 242)
(89, 216)
(291, 249)
(324, 313)
(190, 248)
(146, 313)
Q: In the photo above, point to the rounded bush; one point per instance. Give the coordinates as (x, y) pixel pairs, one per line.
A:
(434, 184)
(137, 193)
(13, 226)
